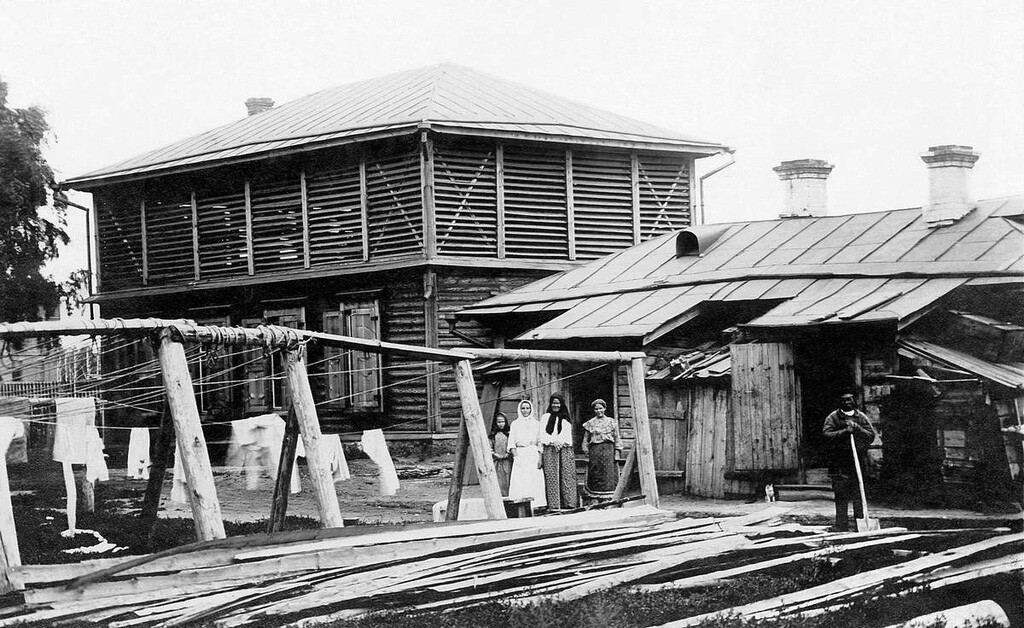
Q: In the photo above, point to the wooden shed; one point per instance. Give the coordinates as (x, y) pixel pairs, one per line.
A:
(377, 209)
(754, 329)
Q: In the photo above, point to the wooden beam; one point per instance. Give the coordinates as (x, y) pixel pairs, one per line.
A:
(181, 398)
(305, 220)
(430, 337)
(309, 426)
(145, 246)
(634, 186)
(364, 209)
(627, 474)
(544, 355)
(642, 429)
(10, 555)
(499, 166)
(282, 486)
(427, 192)
(162, 455)
(248, 228)
(570, 208)
(195, 235)
(479, 445)
(458, 473)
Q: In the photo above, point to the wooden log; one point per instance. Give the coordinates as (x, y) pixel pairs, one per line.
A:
(282, 487)
(626, 476)
(479, 444)
(983, 613)
(544, 355)
(642, 428)
(195, 459)
(10, 555)
(309, 426)
(162, 455)
(458, 473)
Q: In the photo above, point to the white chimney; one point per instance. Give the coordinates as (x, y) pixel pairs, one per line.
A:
(258, 105)
(949, 183)
(805, 187)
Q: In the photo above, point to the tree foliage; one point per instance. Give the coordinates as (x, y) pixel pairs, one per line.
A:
(28, 239)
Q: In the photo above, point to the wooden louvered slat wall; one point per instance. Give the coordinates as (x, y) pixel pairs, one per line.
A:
(603, 202)
(277, 229)
(119, 225)
(169, 245)
(335, 223)
(394, 205)
(221, 225)
(465, 200)
(664, 194)
(536, 219)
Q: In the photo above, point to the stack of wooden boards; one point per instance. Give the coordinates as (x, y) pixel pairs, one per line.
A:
(306, 577)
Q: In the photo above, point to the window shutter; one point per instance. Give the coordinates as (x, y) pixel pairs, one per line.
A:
(336, 363)
(362, 322)
(221, 224)
(335, 216)
(119, 221)
(603, 203)
(169, 246)
(466, 202)
(394, 199)
(664, 195)
(277, 224)
(536, 214)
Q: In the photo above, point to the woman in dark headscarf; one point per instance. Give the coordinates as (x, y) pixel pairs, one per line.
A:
(601, 442)
(559, 458)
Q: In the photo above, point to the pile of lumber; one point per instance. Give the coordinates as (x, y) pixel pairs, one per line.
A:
(307, 577)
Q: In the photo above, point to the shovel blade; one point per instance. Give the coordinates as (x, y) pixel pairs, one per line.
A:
(867, 525)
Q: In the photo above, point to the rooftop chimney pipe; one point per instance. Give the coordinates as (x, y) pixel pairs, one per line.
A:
(259, 105)
(949, 183)
(805, 187)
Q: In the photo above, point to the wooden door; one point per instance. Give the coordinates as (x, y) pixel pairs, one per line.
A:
(765, 427)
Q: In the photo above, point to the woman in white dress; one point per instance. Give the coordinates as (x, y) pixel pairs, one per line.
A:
(524, 444)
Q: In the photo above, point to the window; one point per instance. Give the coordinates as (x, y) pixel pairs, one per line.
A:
(265, 387)
(353, 377)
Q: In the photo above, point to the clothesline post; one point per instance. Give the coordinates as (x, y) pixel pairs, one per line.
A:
(479, 445)
(279, 505)
(162, 455)
(458, 473)
(181, 399)
(309, 427)
(641, 425)
(10, 555)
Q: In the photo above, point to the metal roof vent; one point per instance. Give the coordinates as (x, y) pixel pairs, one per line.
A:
(698, 239)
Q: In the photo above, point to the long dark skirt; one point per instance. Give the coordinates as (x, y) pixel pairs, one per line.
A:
(503, 468)
(560, 477)
(602, 472)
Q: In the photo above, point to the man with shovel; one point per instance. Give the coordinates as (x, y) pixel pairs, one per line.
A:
(843, 423)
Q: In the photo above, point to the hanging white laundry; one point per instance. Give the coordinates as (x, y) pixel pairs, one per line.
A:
(256, 445)
(95, 462)
(70, 439)
(377, 449)
(179, 489)
(11, 428)
(138, 454)
(19, 408)
(336, 457)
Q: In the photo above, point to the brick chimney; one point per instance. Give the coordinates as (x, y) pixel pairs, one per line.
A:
(259, 105)
(949, 183)
(805, 187)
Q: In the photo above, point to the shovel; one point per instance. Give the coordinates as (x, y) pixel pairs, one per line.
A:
(867, 524)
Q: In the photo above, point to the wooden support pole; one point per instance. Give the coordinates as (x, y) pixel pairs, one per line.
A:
(162, 455)
(458, 473)
(202, 493)
(10, 554)
(479, 445)
(88, 496)
(642, 427)
(309, 426)
(627, 475)
(286, 463)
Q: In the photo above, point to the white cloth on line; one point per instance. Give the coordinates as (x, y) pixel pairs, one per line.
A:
(11, 428)
(179, 488)
(76, 439)
(256, 445)
(335, 454)
(138, 454)
(376, 448)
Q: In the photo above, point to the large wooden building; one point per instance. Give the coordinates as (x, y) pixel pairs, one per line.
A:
(754, 329)
(376, 210)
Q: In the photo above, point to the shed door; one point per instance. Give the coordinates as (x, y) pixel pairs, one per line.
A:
(765, 432)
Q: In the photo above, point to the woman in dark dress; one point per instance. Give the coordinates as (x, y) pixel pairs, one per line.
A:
(499, 446)
(601, 442)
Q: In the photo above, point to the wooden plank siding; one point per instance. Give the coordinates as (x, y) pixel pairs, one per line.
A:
(489, 199)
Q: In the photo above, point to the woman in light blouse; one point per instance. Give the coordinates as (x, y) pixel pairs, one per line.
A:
(601, 442)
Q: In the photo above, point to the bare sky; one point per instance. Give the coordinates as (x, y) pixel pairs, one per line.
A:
(866, 85)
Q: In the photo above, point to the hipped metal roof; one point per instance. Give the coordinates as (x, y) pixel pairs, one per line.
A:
(444, 97)
(885, 266)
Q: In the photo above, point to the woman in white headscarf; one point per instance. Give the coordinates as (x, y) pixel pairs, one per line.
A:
(524, 444)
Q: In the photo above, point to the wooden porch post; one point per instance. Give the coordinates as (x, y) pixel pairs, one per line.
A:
(476, 431)
(309, 426)
(181, 399)
(644, 448)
